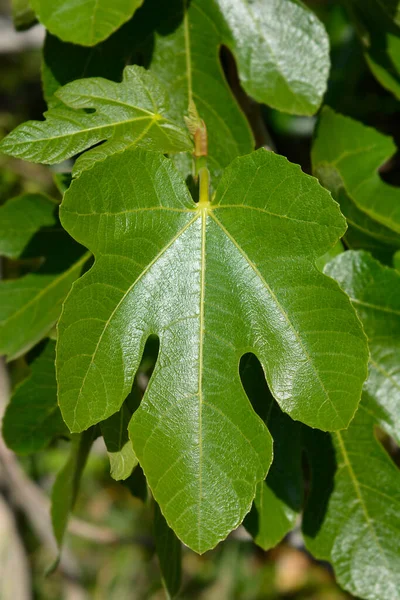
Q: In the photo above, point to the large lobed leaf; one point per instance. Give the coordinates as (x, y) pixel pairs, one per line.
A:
(129, 113)
(213, 281)
(87, 22)
(352, 517)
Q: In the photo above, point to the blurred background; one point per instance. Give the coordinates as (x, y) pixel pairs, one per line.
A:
(109, 551)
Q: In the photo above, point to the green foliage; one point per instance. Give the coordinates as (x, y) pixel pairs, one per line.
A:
(134, 112)
(169, 552)
(85, 23)
(214, 313)
(20, 219)
(378, 25)
(32, 418)
(66, 485)
(178, 284)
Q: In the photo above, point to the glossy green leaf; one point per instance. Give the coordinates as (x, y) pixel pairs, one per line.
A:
(282, 52)
(279, 498)
(352, 153)
(85, 23)
(31, 305)
(353, 513)
(213, 281)
(66, 485)
(169, 552)
(119, 447)
(32, 418)
(20, 219)
(374, 291)
(125, 114)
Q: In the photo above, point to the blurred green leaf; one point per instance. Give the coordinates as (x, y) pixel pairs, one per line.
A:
(22, 14)
(169, 552)
(378, 26)
(32, 418)
(21, 218)
(66, 485)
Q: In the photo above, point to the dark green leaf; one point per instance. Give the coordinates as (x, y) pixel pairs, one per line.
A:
(32, 418)
(213, 281)
(169, 552)
(134, 112)
(378, 25)
(85, 23)
(279, 498)
(20, 219)
(66, 485)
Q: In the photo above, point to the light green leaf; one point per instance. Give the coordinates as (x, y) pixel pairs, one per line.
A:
(66, 485)
(20, 219)
(126, 114)
(348, 154)
(374, 291)
(85, 23)
(33, 419)
(279, 498)
(169, 552)
(213, 281)
(119, 447)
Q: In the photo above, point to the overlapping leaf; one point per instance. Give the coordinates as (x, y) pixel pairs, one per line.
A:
(129, 113)
(179, 41)
(32, 418)
(119, 447)
(213, 281)
(85, 23)
(346, 157)
(352, 517)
